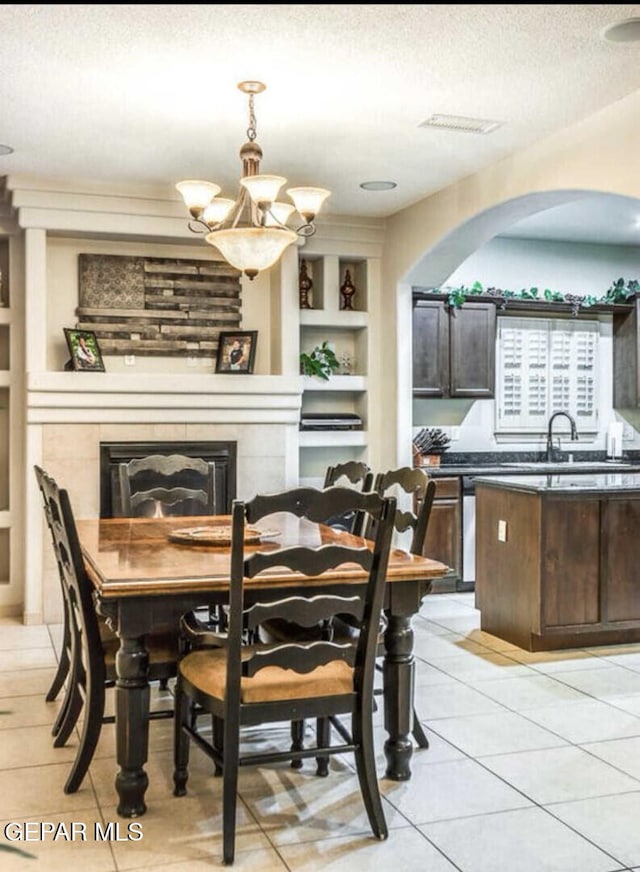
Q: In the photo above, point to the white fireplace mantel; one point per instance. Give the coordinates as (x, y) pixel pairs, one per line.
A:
(70, 413)
(83, 397)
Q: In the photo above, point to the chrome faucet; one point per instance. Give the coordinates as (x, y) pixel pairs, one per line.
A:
(574, 432)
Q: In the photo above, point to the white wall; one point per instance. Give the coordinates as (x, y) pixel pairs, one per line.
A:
(513, 264)
(571, 268)
(62, 294)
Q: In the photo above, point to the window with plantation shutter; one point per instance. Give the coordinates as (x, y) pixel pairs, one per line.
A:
(545, 366)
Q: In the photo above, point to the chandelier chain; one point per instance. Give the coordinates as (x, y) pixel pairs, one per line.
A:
(251, 130)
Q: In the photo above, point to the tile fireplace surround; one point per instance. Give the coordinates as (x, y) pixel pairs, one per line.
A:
(70, 414)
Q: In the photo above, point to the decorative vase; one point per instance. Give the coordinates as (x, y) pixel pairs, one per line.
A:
(305, 284)
(347, 291)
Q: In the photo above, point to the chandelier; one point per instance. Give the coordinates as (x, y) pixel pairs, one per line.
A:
(251, 231)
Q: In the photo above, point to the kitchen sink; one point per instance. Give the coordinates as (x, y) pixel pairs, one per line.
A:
(565, 466)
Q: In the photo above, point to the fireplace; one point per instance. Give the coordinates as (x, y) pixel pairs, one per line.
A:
(221, 454)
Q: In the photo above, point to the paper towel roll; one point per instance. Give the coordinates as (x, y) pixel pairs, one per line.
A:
(614, 440)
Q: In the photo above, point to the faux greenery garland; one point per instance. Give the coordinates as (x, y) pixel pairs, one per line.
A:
(619, 292)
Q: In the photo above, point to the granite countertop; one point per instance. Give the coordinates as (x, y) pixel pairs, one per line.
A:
(531, 463)
(588, 484)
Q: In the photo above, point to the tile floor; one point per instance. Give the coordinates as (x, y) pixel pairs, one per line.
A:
(534, 766)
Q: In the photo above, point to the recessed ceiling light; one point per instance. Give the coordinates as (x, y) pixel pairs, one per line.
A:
(627, 30)
(5, 149)
(378, 186)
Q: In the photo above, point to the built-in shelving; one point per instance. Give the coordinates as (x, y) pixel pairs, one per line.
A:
(347, 330)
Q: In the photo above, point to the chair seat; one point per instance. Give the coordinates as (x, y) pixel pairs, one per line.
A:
(207, 671)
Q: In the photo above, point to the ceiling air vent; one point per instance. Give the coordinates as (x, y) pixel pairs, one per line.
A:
(462, 124)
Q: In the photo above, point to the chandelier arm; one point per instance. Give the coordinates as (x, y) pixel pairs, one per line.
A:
(306, 230)
(197, 225)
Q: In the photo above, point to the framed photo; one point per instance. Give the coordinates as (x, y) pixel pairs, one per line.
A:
(84, 351)
(237, 351)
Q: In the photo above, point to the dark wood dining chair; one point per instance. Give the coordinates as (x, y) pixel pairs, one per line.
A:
(359, 475)
(242, 685)
(91, 645)
(164, 485)
(417, 486)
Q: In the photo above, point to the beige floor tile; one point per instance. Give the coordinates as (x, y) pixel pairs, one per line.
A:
(609, 821)
(303, 808)
(19, 636)
(526, 840)
(427, 674)
(33, 746)
(183, 830)
(59, 854)
(159, 769)
(38, 790)
(20, 682)
(27, 711)
(262, 859)
(624, 754)
(610, 681)
(530, 691)
(455, 700)
(559, 774)
(456, 789)
(591, 721)
(557, 661)
(497, 733)
(480, 666)
(432, 648)
(405, 850)
(27, 658)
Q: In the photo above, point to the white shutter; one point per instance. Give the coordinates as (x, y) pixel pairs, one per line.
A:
(545, 366)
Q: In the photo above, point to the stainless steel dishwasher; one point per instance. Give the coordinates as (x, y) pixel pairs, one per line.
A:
(468, 533)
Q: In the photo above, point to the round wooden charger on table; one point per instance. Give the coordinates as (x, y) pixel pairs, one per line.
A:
(217, 535)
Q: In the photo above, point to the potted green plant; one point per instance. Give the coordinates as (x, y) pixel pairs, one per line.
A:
(321, 362)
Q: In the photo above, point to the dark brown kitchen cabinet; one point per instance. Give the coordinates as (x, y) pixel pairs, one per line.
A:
(558, 570)
(626, 356)
(453, 349)
(443, 541)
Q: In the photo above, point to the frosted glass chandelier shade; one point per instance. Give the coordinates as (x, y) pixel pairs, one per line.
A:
(251, 249)
(308, 200)
(263, 189)
(197, 194)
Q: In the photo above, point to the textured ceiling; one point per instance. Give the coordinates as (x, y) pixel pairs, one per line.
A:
(145, 95)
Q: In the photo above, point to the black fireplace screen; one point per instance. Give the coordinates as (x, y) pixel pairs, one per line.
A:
(221, 454)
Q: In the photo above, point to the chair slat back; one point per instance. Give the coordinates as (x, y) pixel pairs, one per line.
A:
(88, 655)
(358, 473)
(302, 606)
(417, 484)
(360, 476)
(167, 485)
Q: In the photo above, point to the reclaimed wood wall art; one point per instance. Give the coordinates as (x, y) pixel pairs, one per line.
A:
(157, 306)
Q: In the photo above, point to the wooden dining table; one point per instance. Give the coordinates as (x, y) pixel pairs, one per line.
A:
(144, 581)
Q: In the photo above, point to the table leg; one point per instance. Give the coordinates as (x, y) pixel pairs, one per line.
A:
(398, 676)
(132, 725)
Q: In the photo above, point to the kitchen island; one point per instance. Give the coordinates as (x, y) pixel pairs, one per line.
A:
(557, 559)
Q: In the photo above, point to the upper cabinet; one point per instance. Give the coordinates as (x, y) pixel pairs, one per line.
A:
(453, 348)
(626, 357)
